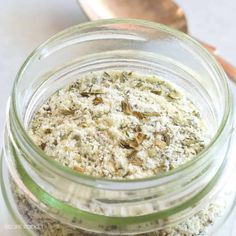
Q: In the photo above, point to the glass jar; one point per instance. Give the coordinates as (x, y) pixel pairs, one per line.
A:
(46, 197)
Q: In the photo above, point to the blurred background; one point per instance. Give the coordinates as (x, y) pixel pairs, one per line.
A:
(25, 24)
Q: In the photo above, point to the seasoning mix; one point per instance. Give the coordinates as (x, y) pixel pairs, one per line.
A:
(119, 125)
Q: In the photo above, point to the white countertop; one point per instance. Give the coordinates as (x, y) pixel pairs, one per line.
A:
(26, 24)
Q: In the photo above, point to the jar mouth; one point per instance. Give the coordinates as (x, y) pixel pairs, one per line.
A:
(167, 176)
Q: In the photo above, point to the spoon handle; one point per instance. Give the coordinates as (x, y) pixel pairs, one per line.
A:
(229, 68)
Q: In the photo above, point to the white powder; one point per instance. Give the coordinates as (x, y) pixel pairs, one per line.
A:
(119, 125)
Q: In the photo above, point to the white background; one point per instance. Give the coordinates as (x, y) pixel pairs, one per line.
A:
(24, 24)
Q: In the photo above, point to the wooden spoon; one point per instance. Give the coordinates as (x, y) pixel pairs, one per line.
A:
(163, 11)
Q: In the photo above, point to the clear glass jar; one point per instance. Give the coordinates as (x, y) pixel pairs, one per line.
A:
(41, 193)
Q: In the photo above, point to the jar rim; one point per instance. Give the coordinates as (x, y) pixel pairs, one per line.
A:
(99, 180)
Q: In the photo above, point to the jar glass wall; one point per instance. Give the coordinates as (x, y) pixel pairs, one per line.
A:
(57, 198)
